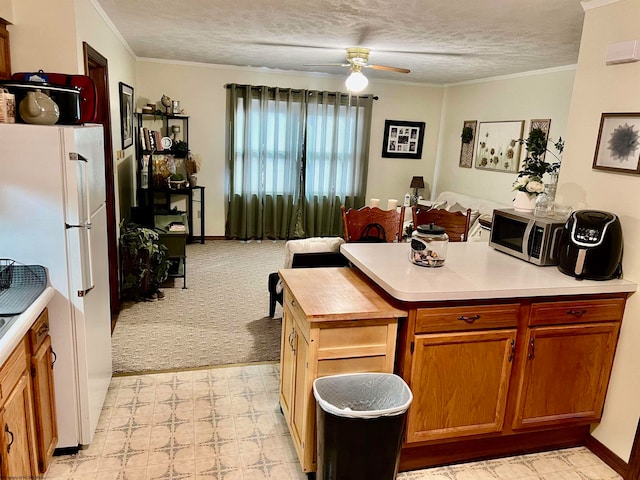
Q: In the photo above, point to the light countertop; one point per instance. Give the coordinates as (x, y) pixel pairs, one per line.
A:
(21, 324)
(472, 270)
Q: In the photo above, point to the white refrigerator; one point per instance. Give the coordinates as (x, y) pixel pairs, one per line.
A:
(53, 213)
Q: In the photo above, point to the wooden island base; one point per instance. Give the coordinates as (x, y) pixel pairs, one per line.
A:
(418, 457)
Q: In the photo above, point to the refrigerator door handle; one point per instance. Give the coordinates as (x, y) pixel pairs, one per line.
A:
(77, 157)
(83, 293)
(86, 225)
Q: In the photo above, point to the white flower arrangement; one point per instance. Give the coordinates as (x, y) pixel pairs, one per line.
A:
(528, 184)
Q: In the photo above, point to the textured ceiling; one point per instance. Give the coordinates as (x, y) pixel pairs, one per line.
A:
(440, 41)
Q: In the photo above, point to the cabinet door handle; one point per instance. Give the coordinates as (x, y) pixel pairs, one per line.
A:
(293, 339)
(6, 429)
(531, 349)
(55, 357)
(513, 350)
(576, 313)
(470, 319)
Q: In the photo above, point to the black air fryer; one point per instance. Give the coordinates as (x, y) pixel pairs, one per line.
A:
(591, 246)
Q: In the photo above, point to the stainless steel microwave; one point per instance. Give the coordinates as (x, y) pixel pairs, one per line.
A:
(530, 238)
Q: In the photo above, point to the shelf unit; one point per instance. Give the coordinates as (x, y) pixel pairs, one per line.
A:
(153, 195)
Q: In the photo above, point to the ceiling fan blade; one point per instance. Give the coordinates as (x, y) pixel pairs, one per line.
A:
(389, 69)
(326, 65)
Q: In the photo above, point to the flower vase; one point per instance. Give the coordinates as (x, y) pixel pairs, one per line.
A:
(545, 203)
(524, 202)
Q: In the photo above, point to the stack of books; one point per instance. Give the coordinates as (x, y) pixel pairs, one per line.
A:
(176, 227)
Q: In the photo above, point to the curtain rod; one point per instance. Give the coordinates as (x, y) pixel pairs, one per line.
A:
(295, 90)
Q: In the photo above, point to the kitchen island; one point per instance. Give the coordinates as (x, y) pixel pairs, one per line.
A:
(502, 356)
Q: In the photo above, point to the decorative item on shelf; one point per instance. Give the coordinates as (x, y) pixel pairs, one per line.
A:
(176, 181)
(175, 129)
(529, 183)
(175, 107)
(180, 149)
(192, 166)
(39, 109)
(416, 183)
(166, 103)
(7, 106)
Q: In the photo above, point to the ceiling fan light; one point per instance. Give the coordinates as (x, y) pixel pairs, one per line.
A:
(356, 82)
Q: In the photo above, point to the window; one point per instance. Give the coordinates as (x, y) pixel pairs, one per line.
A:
(293, 155)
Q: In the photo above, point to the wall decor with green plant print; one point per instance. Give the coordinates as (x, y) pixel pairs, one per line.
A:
(467, 137)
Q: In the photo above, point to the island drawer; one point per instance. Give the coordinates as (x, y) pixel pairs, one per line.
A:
(585, 311)
(472, 317)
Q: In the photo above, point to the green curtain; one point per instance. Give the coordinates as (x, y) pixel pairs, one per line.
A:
(293, 157)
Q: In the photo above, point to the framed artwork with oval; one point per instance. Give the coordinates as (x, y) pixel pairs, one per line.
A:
(618, 147)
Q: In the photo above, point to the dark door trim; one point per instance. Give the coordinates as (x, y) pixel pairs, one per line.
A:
(96, 67)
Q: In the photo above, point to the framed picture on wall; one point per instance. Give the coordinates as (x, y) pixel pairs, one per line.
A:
(126, 114)
(618, 147)
(498, 148)
(543, 124)
(402, 139)
(468, 137)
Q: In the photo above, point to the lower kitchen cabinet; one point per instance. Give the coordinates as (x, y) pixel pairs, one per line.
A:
(332, 323)
(43, 390)
(17, 439)
(460, 384)
(569, 354)
(489, 379)
(27, 407)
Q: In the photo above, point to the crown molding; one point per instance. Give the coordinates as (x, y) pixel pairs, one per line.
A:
(112, 27)
(591, 4)
(530, 73)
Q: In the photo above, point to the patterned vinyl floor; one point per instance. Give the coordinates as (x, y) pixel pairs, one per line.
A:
(225, 423)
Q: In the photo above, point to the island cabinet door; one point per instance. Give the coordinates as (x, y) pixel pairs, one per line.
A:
(566, 373)
(287, 364)
(459, 383)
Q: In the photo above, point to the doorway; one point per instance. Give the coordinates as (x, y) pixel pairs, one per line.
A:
(95, 66)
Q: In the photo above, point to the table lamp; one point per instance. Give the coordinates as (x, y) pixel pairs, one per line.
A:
(416, 183)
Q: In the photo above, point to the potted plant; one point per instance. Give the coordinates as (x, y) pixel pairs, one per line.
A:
(180, 149)
(529, 183)
(144, 262)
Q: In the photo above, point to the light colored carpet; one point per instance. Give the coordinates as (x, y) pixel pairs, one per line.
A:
(220, 319)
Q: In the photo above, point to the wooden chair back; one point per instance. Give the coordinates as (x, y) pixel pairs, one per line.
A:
(456, 224)
(354, 222)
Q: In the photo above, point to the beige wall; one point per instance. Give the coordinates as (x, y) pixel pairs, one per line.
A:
(200, 91)
(43, 36)
(600, 88)
(537, 95)
(6, 10)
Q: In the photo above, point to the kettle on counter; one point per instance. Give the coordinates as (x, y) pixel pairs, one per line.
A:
(591, 246)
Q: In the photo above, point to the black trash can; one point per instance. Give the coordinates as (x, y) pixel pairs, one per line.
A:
(360, 421)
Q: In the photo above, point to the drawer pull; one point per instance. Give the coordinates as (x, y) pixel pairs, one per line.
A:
(6, 429)
(43, 329)
(470, 319)
(576, 313)
(513, 351)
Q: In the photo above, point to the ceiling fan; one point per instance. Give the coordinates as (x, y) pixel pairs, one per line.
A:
(358, 58)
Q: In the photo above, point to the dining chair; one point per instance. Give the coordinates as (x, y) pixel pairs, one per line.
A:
(358, 222)
(456, 224)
